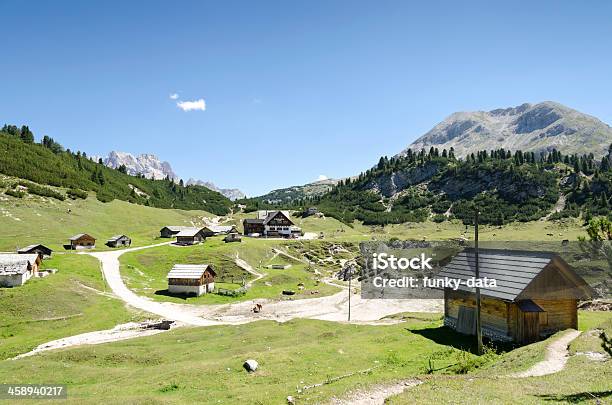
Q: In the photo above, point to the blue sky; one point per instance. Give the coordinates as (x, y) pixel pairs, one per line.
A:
(292, 90)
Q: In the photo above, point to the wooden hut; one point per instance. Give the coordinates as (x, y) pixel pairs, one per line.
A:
(82, 241)
(40, 250)
(536, 294)
(118, 241)
(170, 231)
(194, 279)
(214, 230)
(190, 236)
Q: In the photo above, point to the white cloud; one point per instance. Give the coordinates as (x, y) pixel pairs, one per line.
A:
(174, 96)
(196, 105)
(322, 177)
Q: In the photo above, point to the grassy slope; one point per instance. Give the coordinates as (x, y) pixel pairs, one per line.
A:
(583, 380)
(34, 220)
(145, 271)
(205, 364)
(57, 306)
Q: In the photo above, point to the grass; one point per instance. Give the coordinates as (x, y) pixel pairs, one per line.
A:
(583, 380)
(51, 222)
(205, 364)
(57, 306)
(145, 271)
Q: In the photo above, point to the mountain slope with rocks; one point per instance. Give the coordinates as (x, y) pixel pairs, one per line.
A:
(528, 127)
(231, 193)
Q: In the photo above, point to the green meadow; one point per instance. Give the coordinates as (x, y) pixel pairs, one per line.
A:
(51, 222)
(145, 271)
(72, 301)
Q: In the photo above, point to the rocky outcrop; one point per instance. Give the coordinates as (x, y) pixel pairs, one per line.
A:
(146, 164)
(231, 193)
(390, 184)
(528, 127)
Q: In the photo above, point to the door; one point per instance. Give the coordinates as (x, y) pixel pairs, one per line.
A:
(466, 320)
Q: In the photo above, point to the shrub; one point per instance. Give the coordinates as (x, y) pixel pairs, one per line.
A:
(15, 193)
(42, 191)
(76, 193)
(439, 218)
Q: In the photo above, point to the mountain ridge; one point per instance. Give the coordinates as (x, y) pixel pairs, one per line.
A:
(150, 166)
(539, 127)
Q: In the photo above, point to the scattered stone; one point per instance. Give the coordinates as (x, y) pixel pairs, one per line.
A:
(290, 400)
(250, 365)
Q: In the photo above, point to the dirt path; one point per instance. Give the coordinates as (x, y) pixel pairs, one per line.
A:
(555, 359)
(119, 332)
(110, 270)
(248, 268)
(559, 206)
(377, 395)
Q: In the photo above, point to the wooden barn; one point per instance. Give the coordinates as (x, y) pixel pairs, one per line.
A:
(189, 279)
(171, 230)
(40, 250)
(16, 269)
(190, 236)
(536, 295)
(119, 241)
(81, 241)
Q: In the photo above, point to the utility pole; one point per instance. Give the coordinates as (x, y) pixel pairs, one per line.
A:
(350, 273)
(478, 328)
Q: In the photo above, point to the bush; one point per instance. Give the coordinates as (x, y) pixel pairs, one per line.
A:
(76, 193)
(42, 191)
(15, 193)
(439, 218)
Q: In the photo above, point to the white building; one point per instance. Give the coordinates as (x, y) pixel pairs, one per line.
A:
(16, 269)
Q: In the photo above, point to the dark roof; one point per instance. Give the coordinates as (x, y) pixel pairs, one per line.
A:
(253, 221)
(117, 237)
(512, 270)
(273, 214)
(27, 249)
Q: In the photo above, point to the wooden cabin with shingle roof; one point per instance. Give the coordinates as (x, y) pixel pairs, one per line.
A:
(81, 241)
(536, 294)
(194, 279)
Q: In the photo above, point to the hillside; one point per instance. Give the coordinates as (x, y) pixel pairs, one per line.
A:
(36, 219)
(294, 194)
(505, 187)
(528, 127)
(49, 164)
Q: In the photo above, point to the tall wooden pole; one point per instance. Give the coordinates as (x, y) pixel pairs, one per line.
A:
(349, 292)
(478, 327)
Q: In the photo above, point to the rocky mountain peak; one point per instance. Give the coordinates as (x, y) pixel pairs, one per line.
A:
(529, 127)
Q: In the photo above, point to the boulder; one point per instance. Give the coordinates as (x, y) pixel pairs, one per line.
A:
(250, 365)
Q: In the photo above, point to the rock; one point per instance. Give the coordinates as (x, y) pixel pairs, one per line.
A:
(290, 400)
(250, 365)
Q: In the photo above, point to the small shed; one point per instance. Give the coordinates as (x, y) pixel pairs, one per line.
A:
(232, 237)
(41, 250)
(194, 279)
(119, 241)
(213, 230)
(82, 241)
(536, 294)
(190, 236)
(171, 230)
(16, 269)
